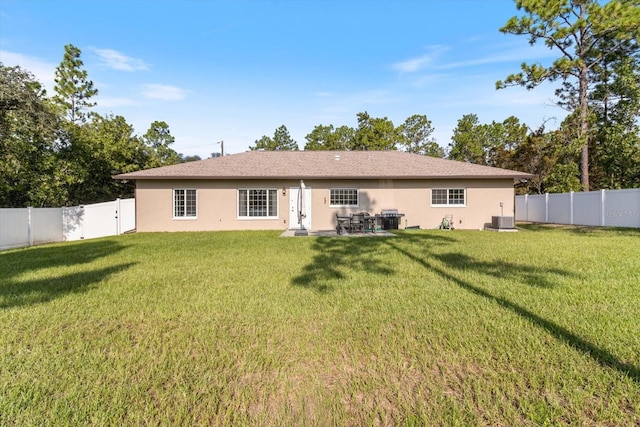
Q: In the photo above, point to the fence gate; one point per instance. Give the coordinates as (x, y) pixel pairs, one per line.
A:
(29, 226)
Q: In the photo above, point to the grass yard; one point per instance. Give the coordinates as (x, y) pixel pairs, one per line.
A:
(540, 327)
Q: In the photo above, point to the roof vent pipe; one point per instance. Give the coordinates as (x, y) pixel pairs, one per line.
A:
(337, 157)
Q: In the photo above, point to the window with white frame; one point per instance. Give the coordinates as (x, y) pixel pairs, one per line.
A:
(448, 197)
(343, 197)
(257, 203)
(184, 203)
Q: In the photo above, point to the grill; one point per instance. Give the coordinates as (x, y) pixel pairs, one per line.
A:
(390, 213)
(389, 218)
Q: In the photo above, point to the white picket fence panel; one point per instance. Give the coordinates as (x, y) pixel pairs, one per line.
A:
(46, 225)
(606, 208)
(30, 226)
(14, 228)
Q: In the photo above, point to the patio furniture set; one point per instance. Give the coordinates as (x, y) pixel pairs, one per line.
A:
(363, 222)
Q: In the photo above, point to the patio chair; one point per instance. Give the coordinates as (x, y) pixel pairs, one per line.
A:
(357, 223)
(343, 224)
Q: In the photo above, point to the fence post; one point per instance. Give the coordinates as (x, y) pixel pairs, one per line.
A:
(571, 207)
(118, 225)
(546, 208)
(29, 225)
(526, 207)
(82, 219)
(602, 207)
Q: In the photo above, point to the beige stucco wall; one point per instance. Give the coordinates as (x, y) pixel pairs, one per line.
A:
(217, 203)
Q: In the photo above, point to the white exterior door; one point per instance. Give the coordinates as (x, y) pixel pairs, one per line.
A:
(294, 207)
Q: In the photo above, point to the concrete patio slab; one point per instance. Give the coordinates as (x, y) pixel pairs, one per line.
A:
(333, 233)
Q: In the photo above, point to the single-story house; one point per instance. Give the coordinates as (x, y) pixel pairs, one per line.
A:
(259, 190)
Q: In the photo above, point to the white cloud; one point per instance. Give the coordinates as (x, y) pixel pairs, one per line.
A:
(416, 64)
(164, 92)
(516, 55)
(430, 60)
(43, 71)
(118, 61)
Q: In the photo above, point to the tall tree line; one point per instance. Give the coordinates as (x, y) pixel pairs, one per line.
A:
(372, 133)
(511, 144)
(56, 151)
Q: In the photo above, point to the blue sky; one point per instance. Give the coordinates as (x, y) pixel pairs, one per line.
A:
(237, 70)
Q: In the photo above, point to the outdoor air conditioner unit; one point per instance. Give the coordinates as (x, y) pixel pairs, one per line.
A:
(502, 222)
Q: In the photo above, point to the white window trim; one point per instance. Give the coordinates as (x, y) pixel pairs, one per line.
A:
(252, 218)
(357, 205)
(173, 205)
(448, 205)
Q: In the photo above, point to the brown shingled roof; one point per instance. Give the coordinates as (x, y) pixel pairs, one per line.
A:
(323, 164)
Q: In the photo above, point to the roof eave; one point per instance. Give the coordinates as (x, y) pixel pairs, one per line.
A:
(325, 177)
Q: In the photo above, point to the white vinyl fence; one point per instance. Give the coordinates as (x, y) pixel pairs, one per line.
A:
(31, 226)
(606, 208)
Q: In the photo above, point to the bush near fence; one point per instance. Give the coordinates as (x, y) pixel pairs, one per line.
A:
(31, 226)
(605, 208)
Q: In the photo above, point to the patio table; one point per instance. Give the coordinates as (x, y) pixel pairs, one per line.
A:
(361, 222)
(370, 223)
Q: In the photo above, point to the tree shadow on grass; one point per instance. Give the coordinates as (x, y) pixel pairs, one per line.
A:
(339, 258)
(426, 240)
(454, 262)
(19, 294)
(15, 292)
(582, 230)
(15, 262)
(527, 274)
(336, 258)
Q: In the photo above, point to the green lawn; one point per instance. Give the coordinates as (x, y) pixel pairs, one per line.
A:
(539, 327)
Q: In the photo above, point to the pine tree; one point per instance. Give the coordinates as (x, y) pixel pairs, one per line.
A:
(73, 89)
(574, 28)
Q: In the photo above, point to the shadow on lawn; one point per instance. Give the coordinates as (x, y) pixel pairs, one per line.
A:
(528, 275)
(15, 292)
(581, 230)
(336, 257)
